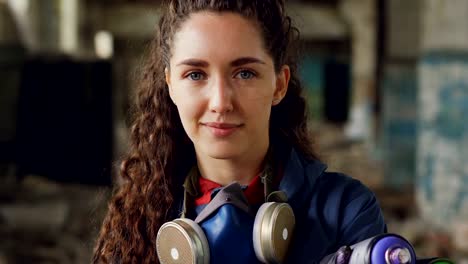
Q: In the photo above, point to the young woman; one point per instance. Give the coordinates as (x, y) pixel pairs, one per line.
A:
(220, 102)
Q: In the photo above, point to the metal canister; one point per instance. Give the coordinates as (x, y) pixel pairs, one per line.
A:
(383, 249)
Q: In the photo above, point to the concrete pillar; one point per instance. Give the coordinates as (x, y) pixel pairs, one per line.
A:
(49, 26)
(442, 153)
(361, 18)
(398, 117)
(69, 40)
(11, 59)
(59, 26)
(8, 29)
(398, 124)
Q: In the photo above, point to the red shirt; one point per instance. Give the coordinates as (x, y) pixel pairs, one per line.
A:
(253, 192)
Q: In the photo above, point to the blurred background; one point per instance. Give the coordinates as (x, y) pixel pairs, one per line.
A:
(387, 82)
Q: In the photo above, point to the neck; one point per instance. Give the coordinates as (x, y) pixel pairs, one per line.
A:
(226, 171)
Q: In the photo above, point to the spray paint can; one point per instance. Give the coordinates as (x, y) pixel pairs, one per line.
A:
(383, 249)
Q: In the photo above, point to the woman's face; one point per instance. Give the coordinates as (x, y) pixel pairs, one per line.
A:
(224, 84)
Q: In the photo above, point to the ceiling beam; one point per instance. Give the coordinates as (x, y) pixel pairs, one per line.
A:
(139, 20)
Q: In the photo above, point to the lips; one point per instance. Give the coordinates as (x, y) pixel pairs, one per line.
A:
(221, 129)
(221, 125)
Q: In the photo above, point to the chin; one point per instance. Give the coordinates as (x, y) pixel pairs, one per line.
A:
(222, 152)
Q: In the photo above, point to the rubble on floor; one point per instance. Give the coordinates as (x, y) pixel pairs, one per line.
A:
(47, 222)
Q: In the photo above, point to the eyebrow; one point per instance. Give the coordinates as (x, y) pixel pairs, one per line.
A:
(194, 63)
(246, 60)
(234, 63)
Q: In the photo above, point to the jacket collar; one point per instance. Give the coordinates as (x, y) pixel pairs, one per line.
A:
(298, 172)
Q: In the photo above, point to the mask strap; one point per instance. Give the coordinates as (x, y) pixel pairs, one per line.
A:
(190, 189)
(267, 174)
(267, 178)
(184, 205)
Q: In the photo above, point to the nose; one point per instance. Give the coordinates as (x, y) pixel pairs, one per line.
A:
(221, 96)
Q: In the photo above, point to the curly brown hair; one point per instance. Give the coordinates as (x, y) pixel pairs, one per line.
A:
(161, 151)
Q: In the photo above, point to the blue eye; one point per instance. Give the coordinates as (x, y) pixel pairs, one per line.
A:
(245, 74)
(195, 76)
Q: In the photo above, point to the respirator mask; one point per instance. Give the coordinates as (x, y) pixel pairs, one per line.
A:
(228, 231)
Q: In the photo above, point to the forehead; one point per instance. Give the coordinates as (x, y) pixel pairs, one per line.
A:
(218, 35)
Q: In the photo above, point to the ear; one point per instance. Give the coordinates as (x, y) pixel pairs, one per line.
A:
(167, 75)
(282, 81)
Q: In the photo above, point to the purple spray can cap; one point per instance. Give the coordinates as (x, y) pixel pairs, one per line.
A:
(398, 255)
(383, 249)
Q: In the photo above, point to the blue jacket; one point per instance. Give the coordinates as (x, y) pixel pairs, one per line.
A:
(331, 210)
